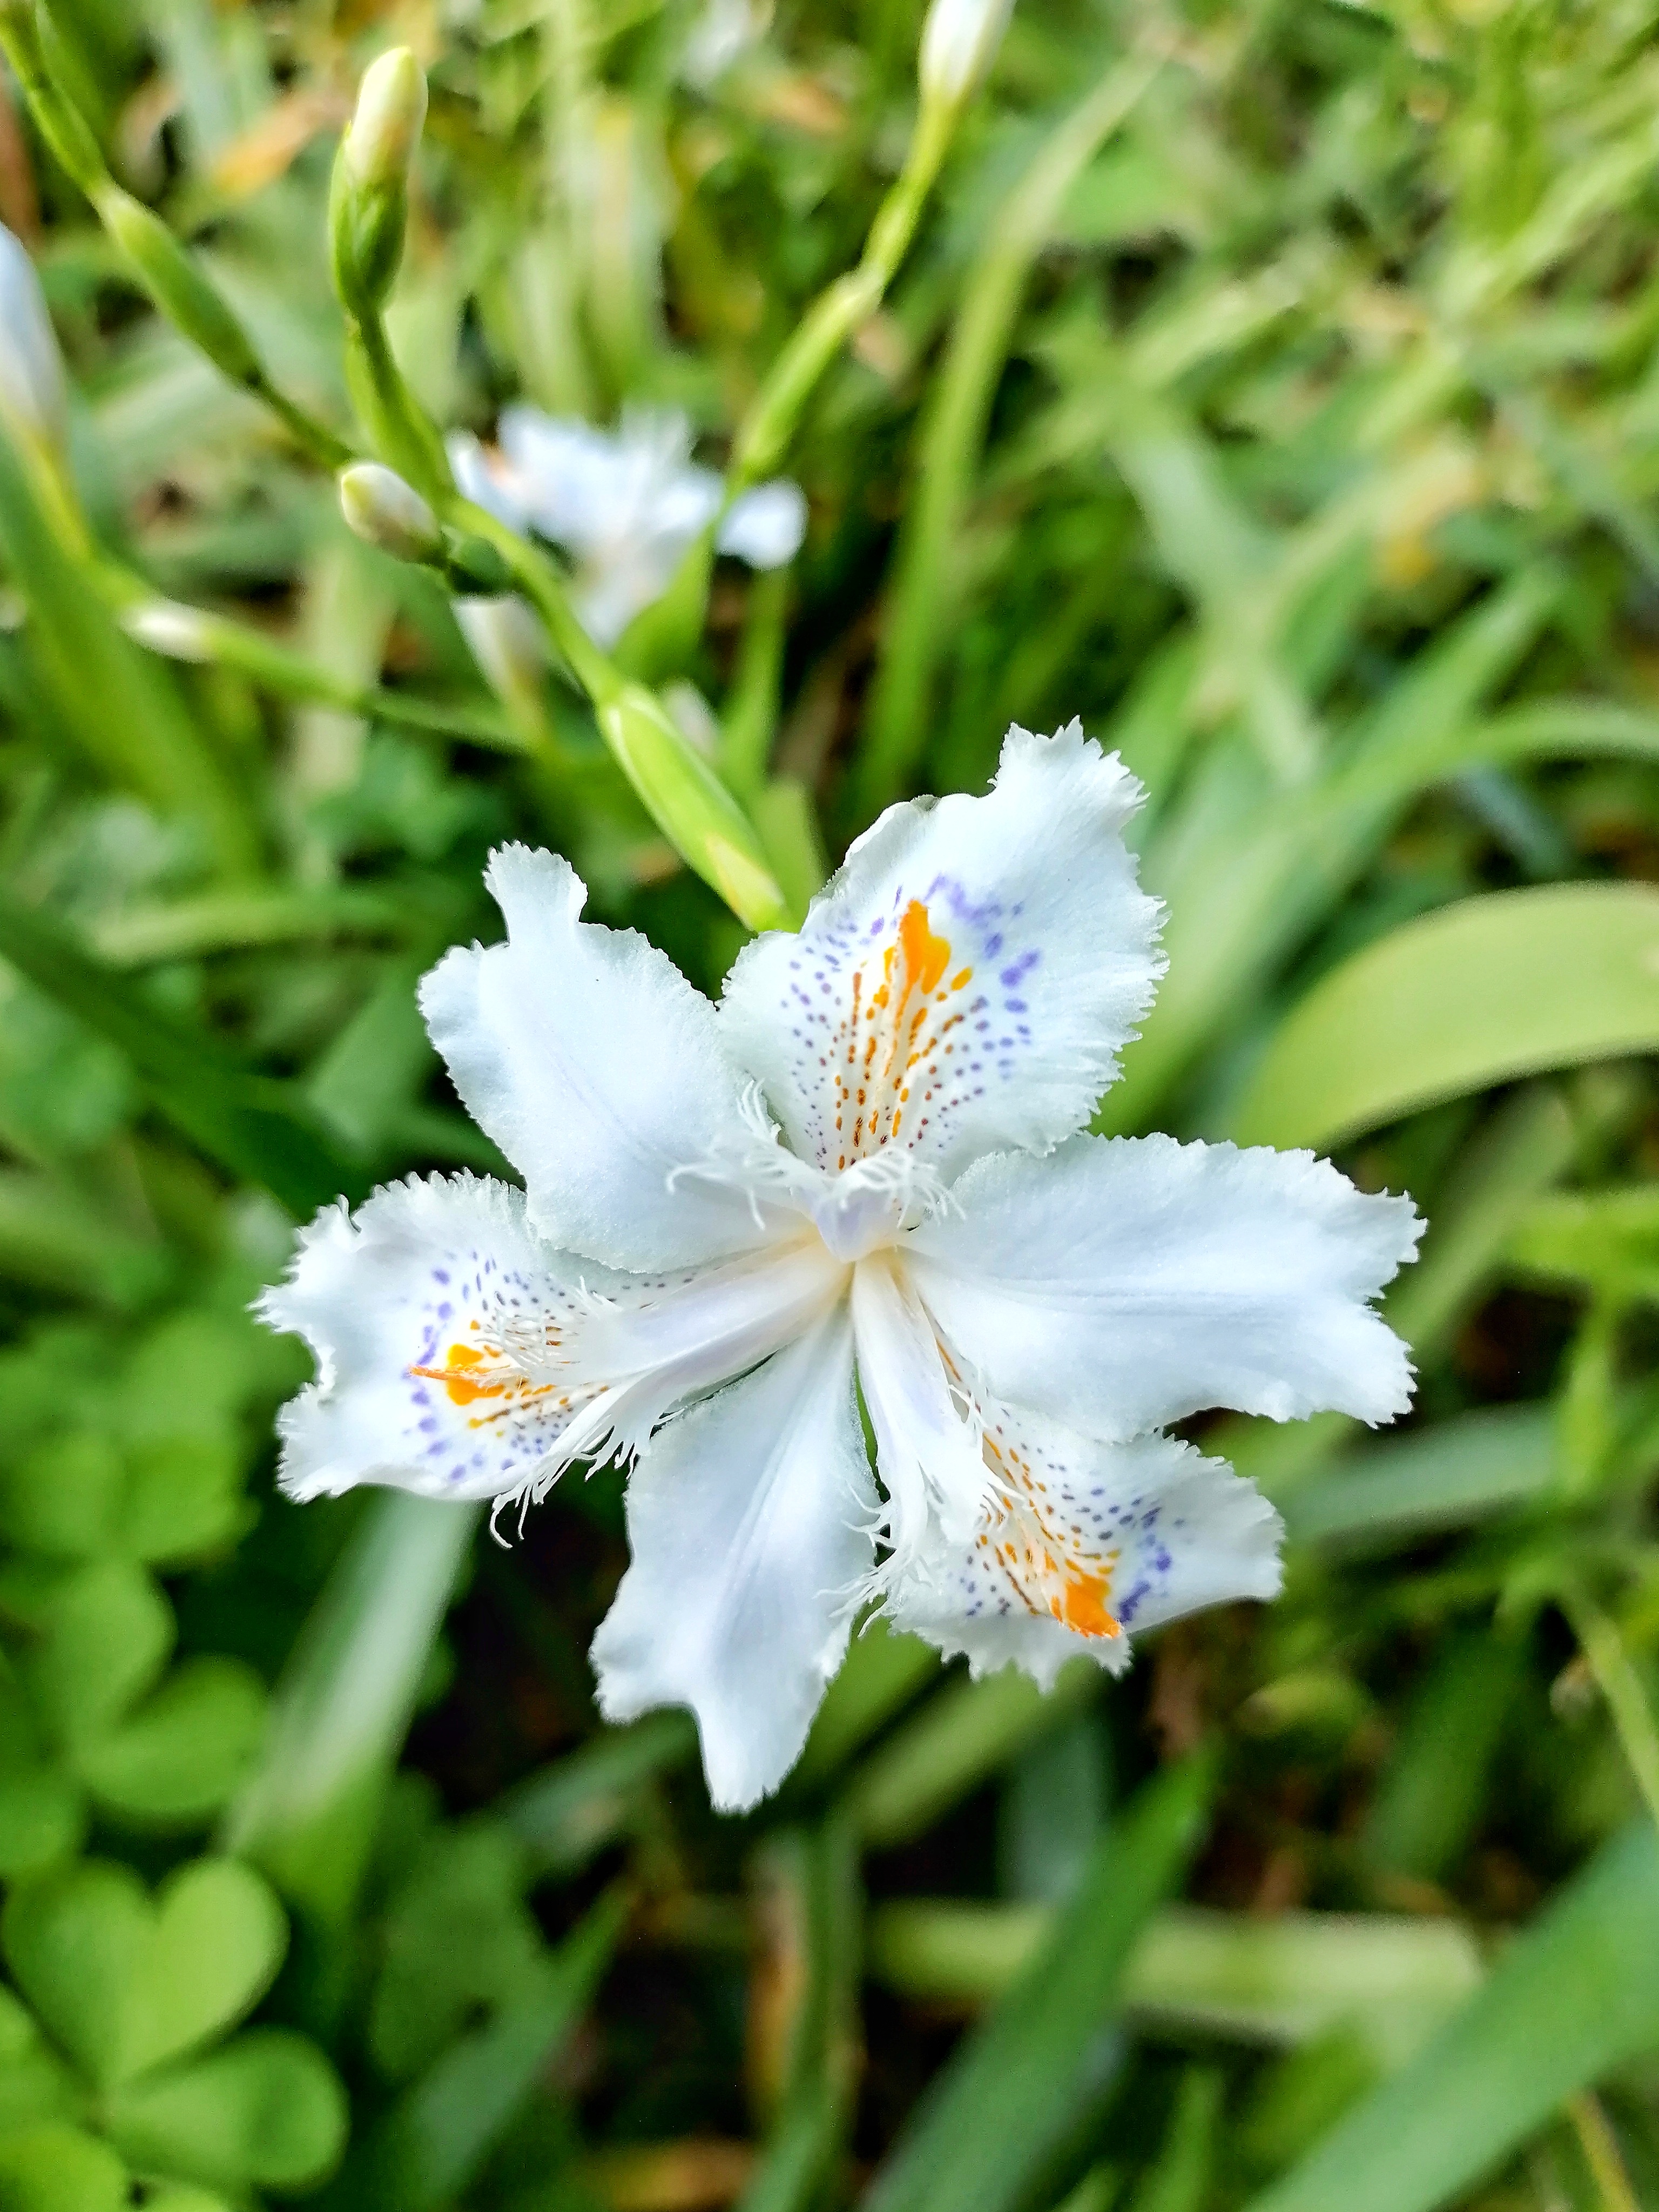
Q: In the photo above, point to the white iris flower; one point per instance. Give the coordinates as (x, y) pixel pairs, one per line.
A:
(861, 1172)
(625, 506)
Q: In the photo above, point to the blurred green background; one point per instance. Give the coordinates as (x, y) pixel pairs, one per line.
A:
(1275, 385)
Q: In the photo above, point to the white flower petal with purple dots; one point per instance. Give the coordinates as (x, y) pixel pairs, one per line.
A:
(966, 983)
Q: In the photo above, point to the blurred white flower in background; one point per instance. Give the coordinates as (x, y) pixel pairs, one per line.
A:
(626, 505)
(721, 34)
(868, 1161)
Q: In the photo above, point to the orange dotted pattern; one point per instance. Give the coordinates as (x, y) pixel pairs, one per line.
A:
(894, 1045)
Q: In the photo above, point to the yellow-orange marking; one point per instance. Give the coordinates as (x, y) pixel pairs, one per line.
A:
(900, 1031)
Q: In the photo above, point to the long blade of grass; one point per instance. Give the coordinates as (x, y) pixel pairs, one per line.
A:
(340, 1709)
(1572, 1999)
(1003, 2103)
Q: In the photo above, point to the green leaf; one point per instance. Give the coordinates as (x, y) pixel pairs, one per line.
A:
(186, 1748)
(1443, 1477)
(149, 742)
(960, 1737)
(62, 1498)
(1478, 993)
(1603, 1240)
(435, 2137)
(1432, 1789)
(164, 1500)
(34, 2084)
(457, 1936)
(98, 1636)
(1003, 2102)
(1195, 1970)
(253, 1125)
(340, 1712)
(58, 2169)
(184, 1497)
(268, 2109)
(1572, 1998)
(126, 1982)
(42, 1819)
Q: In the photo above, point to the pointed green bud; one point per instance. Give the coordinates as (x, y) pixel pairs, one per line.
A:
(386, 511)
(691, 806)
(179, 284)
(959, 43)
(34, 407)
(368, 202)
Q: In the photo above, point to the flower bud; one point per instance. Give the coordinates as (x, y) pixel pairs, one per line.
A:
(368, 204)
(179, 285)
(959, 43)
(386, 511)
(691, 806)
(166, 627)
(32, 405)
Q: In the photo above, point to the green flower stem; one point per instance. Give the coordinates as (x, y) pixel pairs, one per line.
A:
(751, 712)
(175, 280)
(679, 789)
(770, 424)
(157, 622)
(399, 429)
(954, 431)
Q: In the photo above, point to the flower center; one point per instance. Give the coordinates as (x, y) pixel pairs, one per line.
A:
(871, 1204)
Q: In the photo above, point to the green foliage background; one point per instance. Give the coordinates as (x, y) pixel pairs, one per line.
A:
(1274, 386)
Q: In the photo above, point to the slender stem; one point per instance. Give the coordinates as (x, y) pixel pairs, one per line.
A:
(1600, 2145)
(177, 283)
(751, 711)
(954, 429)
(280, 668)
(399, 427)
(765, 433)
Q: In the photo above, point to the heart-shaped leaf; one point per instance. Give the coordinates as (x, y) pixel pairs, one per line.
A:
(76, 1941)
(102, 1633)
(41, 1815)
(267, 2110)
(58, 2169)
(181, 1754)
(34, 2085)
(126, 1984)
(183, 1497)
(61, 1499)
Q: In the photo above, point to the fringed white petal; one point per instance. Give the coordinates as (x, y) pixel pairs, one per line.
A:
(967, 981)
(410, 1306)
(750, 1522)
(602, 1075)
(458, 1356)
(1125, 1283)
(1088, 1543)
